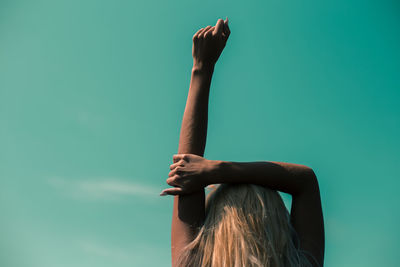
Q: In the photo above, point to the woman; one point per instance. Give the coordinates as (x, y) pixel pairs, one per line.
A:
(244, 221)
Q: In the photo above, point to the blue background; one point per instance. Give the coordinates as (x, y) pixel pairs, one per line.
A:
(92, 96)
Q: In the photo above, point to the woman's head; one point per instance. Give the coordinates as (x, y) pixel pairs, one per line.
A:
(245, 225)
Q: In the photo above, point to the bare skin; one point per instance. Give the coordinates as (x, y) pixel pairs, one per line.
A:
(191, 172)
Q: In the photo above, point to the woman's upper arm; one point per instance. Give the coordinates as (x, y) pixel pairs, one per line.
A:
(307, 219)
(187, 216)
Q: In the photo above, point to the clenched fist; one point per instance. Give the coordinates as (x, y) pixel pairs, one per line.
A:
(209, 42)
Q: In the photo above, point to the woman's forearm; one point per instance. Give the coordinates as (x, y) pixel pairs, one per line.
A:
(193, 139)
(290, 178)
(194, 123)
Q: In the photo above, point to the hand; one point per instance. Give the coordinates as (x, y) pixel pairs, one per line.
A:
(189, 173)
(209, 42)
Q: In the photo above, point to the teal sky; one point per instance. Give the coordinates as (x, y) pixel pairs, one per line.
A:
(92, 96)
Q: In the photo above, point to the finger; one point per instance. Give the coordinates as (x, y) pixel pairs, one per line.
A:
(177, 157)
(227, 31)
(174, 172)
(201, 34)
(172, 181)
(176, 164)
(196, 35)
(209, 32)
(219, 26)
(173, 166)
(172, 191)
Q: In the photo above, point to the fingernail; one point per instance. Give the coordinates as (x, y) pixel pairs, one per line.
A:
(163, 193)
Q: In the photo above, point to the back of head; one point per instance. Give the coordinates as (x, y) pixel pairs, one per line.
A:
(245, 225)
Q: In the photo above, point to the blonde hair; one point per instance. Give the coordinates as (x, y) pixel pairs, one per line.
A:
(245, 225)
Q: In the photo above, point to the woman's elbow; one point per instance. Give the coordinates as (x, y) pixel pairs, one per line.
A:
(310, 179)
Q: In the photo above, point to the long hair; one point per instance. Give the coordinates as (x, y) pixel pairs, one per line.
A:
(245, 225)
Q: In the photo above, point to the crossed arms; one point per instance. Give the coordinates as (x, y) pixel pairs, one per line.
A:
(191, 172)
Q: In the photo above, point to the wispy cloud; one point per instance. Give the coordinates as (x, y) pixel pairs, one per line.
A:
(104, 188)
(127, 254)
(103, 251)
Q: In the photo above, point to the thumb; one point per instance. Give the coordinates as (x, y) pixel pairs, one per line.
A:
(226, 29)
(172, 191)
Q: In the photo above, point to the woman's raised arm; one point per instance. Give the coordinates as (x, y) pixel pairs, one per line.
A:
(188, 210)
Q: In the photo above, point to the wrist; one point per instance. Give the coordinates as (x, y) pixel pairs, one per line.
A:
(215, 172)
(201, 67)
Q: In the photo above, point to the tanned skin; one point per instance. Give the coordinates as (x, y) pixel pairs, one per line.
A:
(191, 172)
